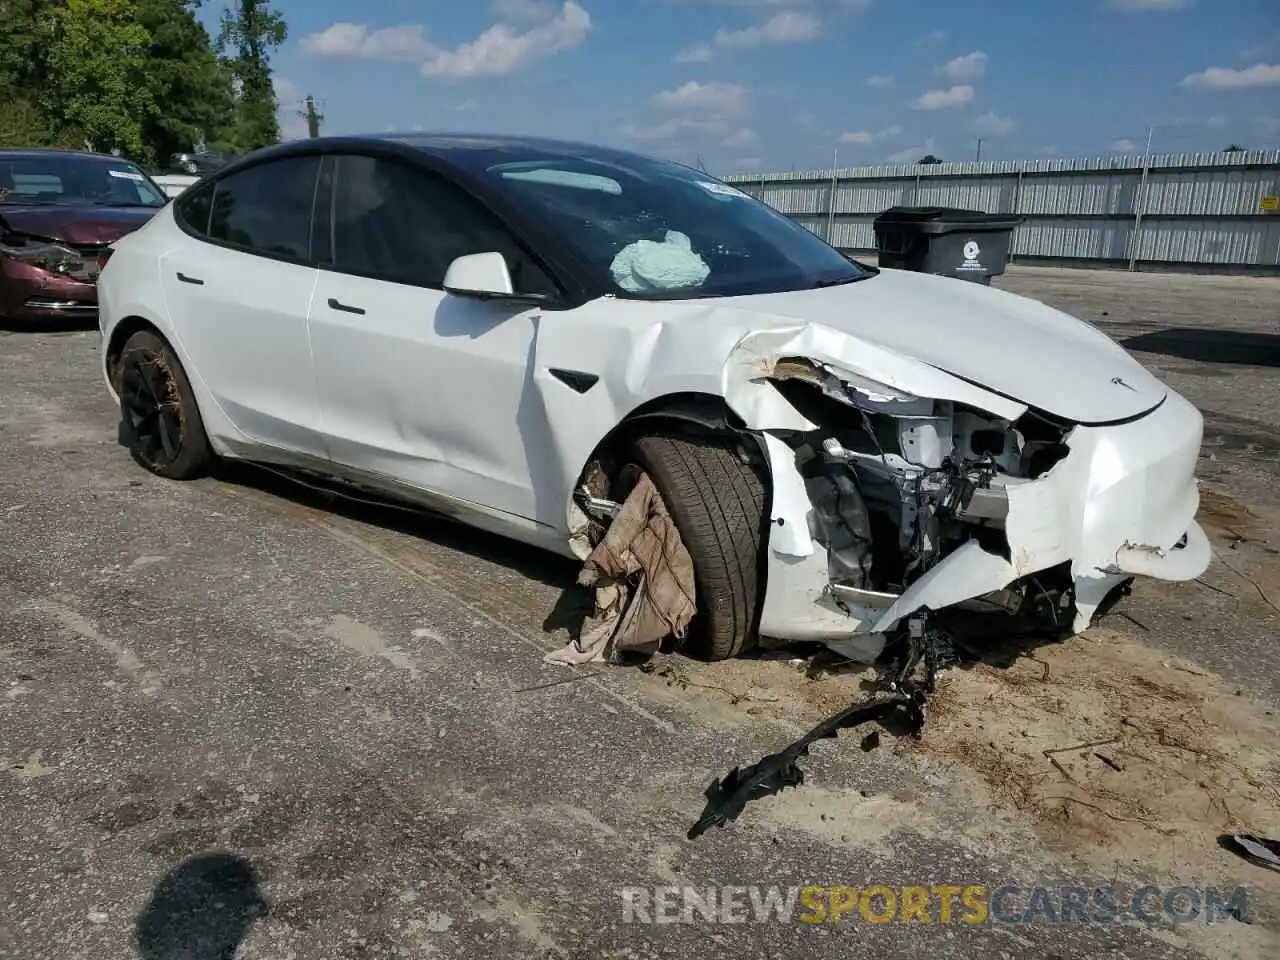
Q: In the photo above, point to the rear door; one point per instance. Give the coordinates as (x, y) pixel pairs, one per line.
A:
(240, 290)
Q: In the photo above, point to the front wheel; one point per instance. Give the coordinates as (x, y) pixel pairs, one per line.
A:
(719, 507)
(159, 420)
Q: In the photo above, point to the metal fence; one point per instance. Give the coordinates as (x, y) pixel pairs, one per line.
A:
(174, 183)
(1204, 211)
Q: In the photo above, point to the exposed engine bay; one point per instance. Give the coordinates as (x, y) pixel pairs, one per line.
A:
(899, 483)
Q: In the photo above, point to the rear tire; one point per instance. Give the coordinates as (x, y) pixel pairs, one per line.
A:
(159, 420)
(719, 507)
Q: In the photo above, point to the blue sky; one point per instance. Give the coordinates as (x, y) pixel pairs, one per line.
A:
(758, 85)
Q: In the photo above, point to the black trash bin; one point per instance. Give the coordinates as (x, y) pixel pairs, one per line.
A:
(965, 244)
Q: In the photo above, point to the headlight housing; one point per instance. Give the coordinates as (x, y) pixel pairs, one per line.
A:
(53, 257)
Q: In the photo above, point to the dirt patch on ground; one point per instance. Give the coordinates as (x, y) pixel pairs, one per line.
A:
(1221, 512)
(1250, 570)
(1115, 756)
(1119, 753)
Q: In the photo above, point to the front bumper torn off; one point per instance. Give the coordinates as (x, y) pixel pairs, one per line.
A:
(1120, 504)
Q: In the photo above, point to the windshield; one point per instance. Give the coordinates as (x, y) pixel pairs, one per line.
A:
(61, 180)
(658, 230)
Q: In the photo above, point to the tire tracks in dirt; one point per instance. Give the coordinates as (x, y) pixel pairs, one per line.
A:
(474, 593)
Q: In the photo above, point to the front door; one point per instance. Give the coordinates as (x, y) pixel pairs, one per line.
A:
(419, 386)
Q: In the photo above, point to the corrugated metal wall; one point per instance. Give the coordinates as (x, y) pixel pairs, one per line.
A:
(1181, 209)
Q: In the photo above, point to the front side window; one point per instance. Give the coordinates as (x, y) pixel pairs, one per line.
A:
(57, 179)
(394, 222)
(194, 207)
(655, 230)
(267, 208)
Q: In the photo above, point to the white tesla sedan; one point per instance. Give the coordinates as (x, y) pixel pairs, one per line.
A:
(513, 330)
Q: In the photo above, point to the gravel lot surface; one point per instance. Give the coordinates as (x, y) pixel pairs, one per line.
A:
(233, 712)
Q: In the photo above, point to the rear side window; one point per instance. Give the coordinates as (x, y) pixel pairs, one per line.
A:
(267, 209)
(394, 222)
(193, 209)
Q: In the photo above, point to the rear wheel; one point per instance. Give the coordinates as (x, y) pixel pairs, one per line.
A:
(159, 420)
(718, 504)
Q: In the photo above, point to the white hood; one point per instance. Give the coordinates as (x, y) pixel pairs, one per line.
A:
(1009, 344)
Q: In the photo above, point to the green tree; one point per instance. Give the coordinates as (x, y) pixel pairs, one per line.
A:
(22, 123)
(185, 78)
(249, 33)
(95, 76)
(1233, 148)
(929, 159)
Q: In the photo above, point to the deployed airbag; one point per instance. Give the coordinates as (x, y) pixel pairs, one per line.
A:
(647, 266)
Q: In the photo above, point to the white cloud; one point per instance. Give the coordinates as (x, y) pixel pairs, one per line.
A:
(722, 98)
(1049, 150)
(879, 80)
(1256, 50)
(749, 163)
(288, 93)
(666, 130)
(1124, 146)
(1141, 5)
(936, 36)
(741, 140)
(706, 112)
(404, 42)
(956, 96)
(1217, 120)
(526, 31)
(289, 98)
(1223, 78)
(991, 124)
(789, 26)
(864, 137)
(784, 27)
(969, 67)
(505, 49)
(699, 54)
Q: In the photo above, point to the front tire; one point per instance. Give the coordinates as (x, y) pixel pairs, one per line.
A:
(719, 507)
(159, 420)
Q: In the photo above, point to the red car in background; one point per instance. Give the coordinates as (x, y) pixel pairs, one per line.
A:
(59, 211)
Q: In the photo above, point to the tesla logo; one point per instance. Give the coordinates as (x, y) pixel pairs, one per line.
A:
(1120, 383)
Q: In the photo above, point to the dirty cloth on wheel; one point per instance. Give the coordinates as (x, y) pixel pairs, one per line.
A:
(643, 579)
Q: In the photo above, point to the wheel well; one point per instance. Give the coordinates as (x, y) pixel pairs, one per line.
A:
(125, 329)
(688, 414)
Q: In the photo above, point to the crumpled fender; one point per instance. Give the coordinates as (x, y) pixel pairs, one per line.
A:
(753, 358)
(1103, 507)
(798, 602)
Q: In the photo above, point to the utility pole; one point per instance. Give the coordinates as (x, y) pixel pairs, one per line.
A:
(313, 117)
(831, 198)
(1140, 201)
(978, 158)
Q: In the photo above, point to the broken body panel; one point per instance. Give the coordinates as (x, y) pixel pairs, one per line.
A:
(1119, 503)
(1065, 455)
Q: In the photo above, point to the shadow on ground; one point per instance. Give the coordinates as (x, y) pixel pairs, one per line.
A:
(75, 325)
(1210, 346)
(537, 565)
(202, 909)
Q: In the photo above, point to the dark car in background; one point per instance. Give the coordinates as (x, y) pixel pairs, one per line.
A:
(197, 163)
(59, 212)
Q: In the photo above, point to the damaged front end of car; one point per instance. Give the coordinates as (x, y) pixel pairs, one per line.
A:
(899, 489)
